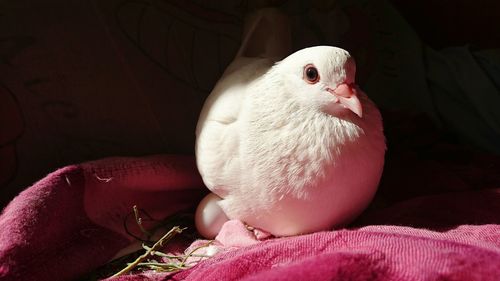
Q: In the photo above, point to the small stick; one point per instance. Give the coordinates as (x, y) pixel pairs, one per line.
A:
(177, 257)
(175, 230)
(138, 220)
(190, 254)
(162, 266)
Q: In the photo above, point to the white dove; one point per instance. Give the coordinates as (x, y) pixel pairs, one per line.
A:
(288, 147)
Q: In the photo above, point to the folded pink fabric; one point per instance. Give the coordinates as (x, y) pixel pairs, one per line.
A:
(72, 221)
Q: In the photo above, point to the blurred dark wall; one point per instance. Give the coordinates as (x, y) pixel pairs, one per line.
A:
(454, 23)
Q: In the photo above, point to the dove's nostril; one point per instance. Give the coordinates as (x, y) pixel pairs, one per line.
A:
(346, 95)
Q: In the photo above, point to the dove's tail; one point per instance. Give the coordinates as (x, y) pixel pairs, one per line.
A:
(266, 34)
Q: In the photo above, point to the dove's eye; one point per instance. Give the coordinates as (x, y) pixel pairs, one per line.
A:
(311, 74)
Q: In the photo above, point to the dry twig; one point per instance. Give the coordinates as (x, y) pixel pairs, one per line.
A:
(174, 231)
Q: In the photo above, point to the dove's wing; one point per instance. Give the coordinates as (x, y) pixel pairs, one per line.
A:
(218, 131)
(266, 39)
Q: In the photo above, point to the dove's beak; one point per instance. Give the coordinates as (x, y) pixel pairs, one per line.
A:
(347, 96)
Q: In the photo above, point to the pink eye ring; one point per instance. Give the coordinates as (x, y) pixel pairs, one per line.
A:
(311, 74)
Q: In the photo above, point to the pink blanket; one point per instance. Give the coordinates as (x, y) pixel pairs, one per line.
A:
(71, 222)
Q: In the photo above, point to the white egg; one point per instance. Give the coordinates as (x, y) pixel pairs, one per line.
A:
(209, 217)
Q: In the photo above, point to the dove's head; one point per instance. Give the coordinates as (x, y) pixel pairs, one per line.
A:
(322, 78)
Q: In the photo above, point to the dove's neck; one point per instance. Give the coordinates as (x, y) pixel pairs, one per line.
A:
(281, 114)
(305, 143)
(304, 130)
